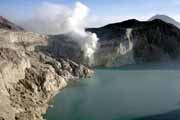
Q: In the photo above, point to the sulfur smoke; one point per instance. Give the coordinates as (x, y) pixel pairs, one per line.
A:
(59, 19)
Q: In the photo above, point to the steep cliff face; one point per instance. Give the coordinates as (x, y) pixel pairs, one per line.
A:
(133, 41)
(117, 50)
(12, 67)
(29, 78)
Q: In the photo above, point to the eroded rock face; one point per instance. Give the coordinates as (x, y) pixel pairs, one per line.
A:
(116, 51)
(29, 78)
(128, 42)
(133, 41)
(63, 46)
(12, 67)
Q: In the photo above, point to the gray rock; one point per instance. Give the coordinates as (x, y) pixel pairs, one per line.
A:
(133, 41)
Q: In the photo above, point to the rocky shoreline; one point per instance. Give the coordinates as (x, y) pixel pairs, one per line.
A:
(29, 78)
(35, 67)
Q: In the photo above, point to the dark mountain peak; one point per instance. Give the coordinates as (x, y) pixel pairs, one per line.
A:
(6, 24)
(159, 16)
(129, 23)
(125, 24)
(147, 41)
(166, 19)
(157, 22)
(135, 24)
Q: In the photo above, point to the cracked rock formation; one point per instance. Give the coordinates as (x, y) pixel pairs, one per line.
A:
(29, 78)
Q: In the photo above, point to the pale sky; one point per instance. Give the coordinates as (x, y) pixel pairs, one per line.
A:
(102, 11)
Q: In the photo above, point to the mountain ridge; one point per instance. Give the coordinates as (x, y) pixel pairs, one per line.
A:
(6, 24)
(153, 41)
(165, 18)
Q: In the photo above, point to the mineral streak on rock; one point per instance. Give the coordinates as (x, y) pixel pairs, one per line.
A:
(133, 41)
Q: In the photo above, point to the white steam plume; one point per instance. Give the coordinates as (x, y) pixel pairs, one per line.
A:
(59, 19)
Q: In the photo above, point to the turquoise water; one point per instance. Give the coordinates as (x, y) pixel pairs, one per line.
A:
(119, 94)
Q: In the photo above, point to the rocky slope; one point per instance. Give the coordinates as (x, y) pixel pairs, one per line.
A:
(128, 42)
(29, 78)
(63, 46)
(6, 24)
(132, 41)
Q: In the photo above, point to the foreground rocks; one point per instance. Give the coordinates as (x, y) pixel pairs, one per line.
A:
(29, 78)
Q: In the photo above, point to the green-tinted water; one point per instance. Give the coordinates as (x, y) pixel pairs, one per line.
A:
(119, 94)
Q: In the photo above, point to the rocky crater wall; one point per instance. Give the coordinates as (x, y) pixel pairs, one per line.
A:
(29, 78)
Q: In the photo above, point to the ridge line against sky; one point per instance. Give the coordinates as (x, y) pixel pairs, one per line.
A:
(102, 11)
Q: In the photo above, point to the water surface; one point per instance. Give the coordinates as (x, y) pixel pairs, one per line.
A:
(121, 94)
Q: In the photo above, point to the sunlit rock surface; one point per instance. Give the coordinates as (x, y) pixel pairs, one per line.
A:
(29, 78)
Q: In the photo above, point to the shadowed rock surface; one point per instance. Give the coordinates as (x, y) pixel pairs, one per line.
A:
(6, 24)
(128, 42)
(133, 41)
(62, 46)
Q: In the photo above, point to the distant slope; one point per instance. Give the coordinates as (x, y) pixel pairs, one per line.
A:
(6, 24)
(167, 19)
(135, 41)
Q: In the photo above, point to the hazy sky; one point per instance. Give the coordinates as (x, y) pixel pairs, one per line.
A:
(102, 11)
